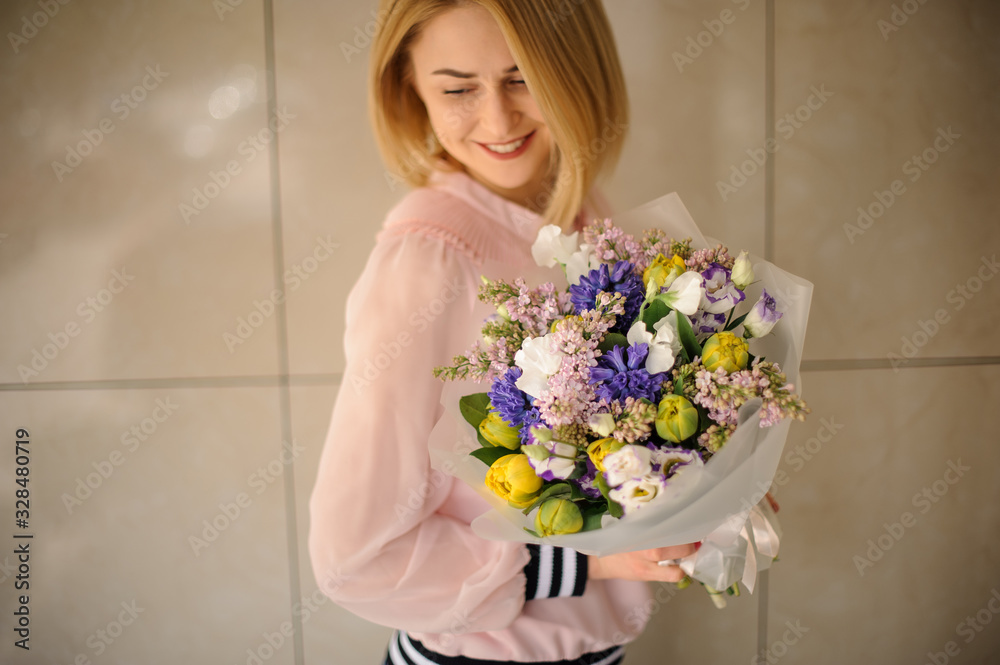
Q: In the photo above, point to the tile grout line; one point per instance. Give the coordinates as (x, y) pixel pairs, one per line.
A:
(190, 382)
(281, 311)
(763, 604)
(848, 364)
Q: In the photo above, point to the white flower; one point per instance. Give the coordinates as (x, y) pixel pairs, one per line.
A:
(663, 346)
(683, 469)
(581, 263)
(637, 492)
(627, 463)
(685, 293)
(742, 271)
(539, 358)
(552, 247)
(763, 316)
(553, 460)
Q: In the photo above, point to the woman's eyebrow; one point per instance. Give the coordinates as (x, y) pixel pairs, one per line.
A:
(464, 75)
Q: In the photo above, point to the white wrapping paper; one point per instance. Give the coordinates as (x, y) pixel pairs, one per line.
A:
(719, 508)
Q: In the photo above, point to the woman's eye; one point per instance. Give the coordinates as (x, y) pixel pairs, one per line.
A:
(460, 91)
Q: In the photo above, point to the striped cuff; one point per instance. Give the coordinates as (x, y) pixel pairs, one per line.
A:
(555, 572)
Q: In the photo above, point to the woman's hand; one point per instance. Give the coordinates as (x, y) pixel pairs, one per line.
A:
(642, 565)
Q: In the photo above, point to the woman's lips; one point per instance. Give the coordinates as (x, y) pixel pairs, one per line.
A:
(508, 150)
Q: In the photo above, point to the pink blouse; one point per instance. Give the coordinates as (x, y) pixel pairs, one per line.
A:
(389, 536)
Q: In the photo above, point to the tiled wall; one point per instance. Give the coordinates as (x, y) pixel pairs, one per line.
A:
(176, 412)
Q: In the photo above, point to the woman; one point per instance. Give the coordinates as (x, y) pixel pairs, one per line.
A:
(498, 113)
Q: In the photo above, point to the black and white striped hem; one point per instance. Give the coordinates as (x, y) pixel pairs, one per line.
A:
(404, 650)
(555, 572)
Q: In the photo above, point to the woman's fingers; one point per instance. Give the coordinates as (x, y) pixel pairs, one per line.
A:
(644, 565)
(674, 552)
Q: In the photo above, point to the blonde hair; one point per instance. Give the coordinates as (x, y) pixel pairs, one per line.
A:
(566, 52)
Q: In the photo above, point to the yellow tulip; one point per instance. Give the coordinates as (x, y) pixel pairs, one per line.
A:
(725, 350)
(512, 479)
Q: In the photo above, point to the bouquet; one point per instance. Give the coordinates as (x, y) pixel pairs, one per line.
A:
(615, 396)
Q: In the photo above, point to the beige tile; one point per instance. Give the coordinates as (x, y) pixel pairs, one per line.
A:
(116, 499)
(685, 627)
(331, 634)
(335, 190)
(182, 286)
(875, 442)
(925, 93)
(697, 102)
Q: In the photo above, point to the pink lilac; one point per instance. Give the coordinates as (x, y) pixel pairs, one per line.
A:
(654, 242)
(536, 309)
(611, 243)
(701, 259)
(570, 398)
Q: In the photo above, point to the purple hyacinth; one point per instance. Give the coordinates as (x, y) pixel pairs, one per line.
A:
(620, 278)
(512, 403)
(620, 374)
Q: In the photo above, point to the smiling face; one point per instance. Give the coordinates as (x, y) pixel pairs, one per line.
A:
(479, 106)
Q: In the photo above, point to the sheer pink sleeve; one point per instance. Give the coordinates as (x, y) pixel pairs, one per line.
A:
(380, 547)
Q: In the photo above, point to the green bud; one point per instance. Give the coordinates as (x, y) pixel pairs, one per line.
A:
(495, 430)
(557, 516)
(541, 434)
(676, 418)
(536, 452)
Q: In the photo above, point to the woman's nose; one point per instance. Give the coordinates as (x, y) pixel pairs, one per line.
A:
(497, 115)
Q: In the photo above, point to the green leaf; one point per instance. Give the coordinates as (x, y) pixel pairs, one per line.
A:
(578, 472)
(614, 509)
(691, 346)
(657, 310)
(592, 519)
(553, 491)
(474, 408)
(489, 454)
(704, 422)
(735, 322)
(611, 340)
